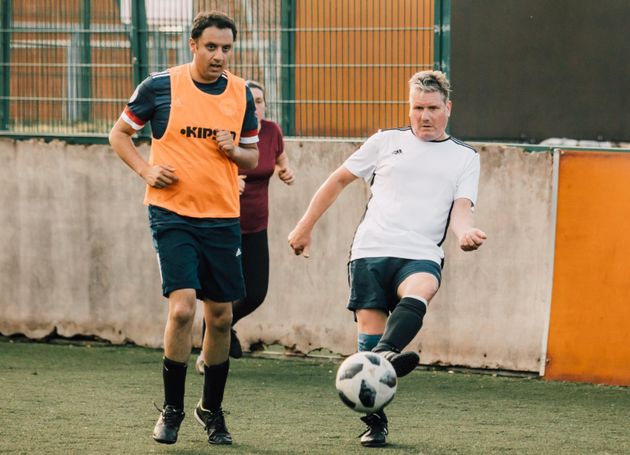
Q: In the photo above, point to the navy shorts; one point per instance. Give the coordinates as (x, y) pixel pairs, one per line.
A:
(198, 253)
(374, 281)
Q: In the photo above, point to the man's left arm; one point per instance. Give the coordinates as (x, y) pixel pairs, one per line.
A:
(468, 236)
(244, 155)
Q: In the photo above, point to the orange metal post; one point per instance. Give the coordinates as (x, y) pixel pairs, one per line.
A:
(589, 330)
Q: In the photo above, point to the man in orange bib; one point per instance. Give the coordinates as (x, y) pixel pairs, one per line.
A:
(204, 128)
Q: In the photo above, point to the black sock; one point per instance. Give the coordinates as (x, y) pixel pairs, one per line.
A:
(402, 325)
(214, 379)
(174, 377)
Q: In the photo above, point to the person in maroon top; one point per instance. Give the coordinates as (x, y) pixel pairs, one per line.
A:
(255, 215)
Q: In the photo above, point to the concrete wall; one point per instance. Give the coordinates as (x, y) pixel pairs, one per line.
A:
(76, 256)
(76, 253)
(493, 305)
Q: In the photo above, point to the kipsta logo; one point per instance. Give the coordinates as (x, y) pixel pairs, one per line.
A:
(200, 132)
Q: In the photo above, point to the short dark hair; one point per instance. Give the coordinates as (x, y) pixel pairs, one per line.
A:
(211, 19)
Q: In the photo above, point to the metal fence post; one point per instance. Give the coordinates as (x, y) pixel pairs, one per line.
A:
(442, 41)
(442, 36)
(287, 46)
(85, 82)
(139, 41)
(5, 61)
(139, 52)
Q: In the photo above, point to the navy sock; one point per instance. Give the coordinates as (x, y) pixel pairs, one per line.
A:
(174, 377)
(403, 324)
(214, 379)
(366, 341)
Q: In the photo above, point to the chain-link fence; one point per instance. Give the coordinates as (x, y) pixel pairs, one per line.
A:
(330, 67)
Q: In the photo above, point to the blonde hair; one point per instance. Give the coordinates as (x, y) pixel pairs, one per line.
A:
(431, 81)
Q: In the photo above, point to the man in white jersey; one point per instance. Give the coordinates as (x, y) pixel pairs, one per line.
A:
(422, 180)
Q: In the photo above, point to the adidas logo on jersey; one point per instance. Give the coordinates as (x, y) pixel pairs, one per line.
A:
(397, 152)
(200, 132)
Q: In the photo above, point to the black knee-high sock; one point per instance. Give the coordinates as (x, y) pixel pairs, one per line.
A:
(402, 325)
(174, 377)
(214, 379)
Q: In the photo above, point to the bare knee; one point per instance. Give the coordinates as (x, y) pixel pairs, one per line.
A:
(181, 308)
(371, 321)
(423, 285)
(426, 290)
(219, 317)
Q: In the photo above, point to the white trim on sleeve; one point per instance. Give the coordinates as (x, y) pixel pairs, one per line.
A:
(130, 122)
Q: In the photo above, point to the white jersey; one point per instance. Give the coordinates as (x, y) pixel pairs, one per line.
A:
(414, 184)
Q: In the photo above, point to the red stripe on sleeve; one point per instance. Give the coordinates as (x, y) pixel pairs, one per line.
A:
(250, 133)
(133, 117)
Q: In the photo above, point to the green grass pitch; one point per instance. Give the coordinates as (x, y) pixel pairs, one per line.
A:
(82, 399)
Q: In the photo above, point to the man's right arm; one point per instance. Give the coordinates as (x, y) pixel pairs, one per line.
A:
(300, 237)
(120, 140)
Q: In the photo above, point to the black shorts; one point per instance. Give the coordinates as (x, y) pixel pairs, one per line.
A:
(198, 253)
(374, 281)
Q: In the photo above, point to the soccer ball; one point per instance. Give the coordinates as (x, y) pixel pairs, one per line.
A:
(366, 382)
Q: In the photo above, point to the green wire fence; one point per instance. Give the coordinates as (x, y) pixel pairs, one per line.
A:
(331, 68)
